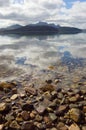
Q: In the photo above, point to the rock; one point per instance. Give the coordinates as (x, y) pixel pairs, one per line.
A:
(9, 117)
(48, 121)
(31, 91)
(25, 115)
(1, 126)
(61, 109)
(53, 128)
(38, 118)
(61, 126)
(4, 107)
(14, 125)
(60, 95)
(52, 116)
(14, 97)
(48, 87)
(74, 127)
(75, 114)
(27, 107)
(84, 127)
(40, 109)
(73, 99)
(5, 85)
(49, 81)
(84, 109)
(28, 126)
(47, 95)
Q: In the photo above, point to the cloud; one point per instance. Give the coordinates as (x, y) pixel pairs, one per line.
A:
(42, 10)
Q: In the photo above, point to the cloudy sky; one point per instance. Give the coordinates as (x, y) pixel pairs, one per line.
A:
(63, 12)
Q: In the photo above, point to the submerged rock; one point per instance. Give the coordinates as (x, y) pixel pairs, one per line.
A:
(74, 127)
(75, 114)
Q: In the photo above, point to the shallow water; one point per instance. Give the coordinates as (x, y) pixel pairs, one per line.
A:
(38, 54)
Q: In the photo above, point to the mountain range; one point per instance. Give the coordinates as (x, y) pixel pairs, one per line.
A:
(40, 28)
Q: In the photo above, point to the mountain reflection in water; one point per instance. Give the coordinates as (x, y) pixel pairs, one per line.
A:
(34, 53)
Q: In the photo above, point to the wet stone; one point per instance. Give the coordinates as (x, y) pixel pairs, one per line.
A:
(28, 126)
(84, 109)
(25, 115)
(73, 99)
(14, 125)
(31, 91)
(61, 109)
(48, 87)
(75, 114)
(1, 126)
(27, 107)
(14, 97)
(4, 107)
(38, 118)
(40, 109)
(52, 116)
(74, 127)
(84, 127)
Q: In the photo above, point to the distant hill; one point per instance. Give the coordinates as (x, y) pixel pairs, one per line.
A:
(84, 30)
(41, 28)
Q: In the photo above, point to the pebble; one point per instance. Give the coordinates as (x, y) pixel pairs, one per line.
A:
(1, 126)
(75, 114)
(14, 97)
(14, 125)
(74, 127)
(61, 109)
(28, 126)
(52, 116)
(4, 107)
(40, 109)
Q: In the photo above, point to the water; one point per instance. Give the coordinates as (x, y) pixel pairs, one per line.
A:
(35, 54)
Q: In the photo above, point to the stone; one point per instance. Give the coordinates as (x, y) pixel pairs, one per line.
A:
(75, 114)
(47, 95)
(27, 107)
(53, 128)
(4, 107)
(47, 87)
(52, 116)
(84, 127)
(14, 125)
(84, 109)
(38, 118)
(31, 91)
(5, 85)
(28, 126)
(74, 127)
(73, 99)
(40, 109)
(14, 97)
(49, 81)
(61, 126)
(25, 115)
(9, 117)
(1, 126)
(61, 109)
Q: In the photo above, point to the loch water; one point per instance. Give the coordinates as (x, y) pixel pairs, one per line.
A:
(32, 55)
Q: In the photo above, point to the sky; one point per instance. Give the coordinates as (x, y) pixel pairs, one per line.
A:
(62, 12)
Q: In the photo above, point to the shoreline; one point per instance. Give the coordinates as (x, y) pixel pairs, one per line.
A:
(42, 104)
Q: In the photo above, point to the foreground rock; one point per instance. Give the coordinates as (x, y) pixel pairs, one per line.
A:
(46, 108)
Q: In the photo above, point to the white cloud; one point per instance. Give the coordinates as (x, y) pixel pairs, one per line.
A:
(43, 10)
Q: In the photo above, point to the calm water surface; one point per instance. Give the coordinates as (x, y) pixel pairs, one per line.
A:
(34, 54)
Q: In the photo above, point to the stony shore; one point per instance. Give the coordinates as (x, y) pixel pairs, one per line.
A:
(46, 107)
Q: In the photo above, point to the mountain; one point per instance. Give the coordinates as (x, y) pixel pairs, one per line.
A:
(84, 30)
(40, 28)
(68, 30)
(13, 27)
